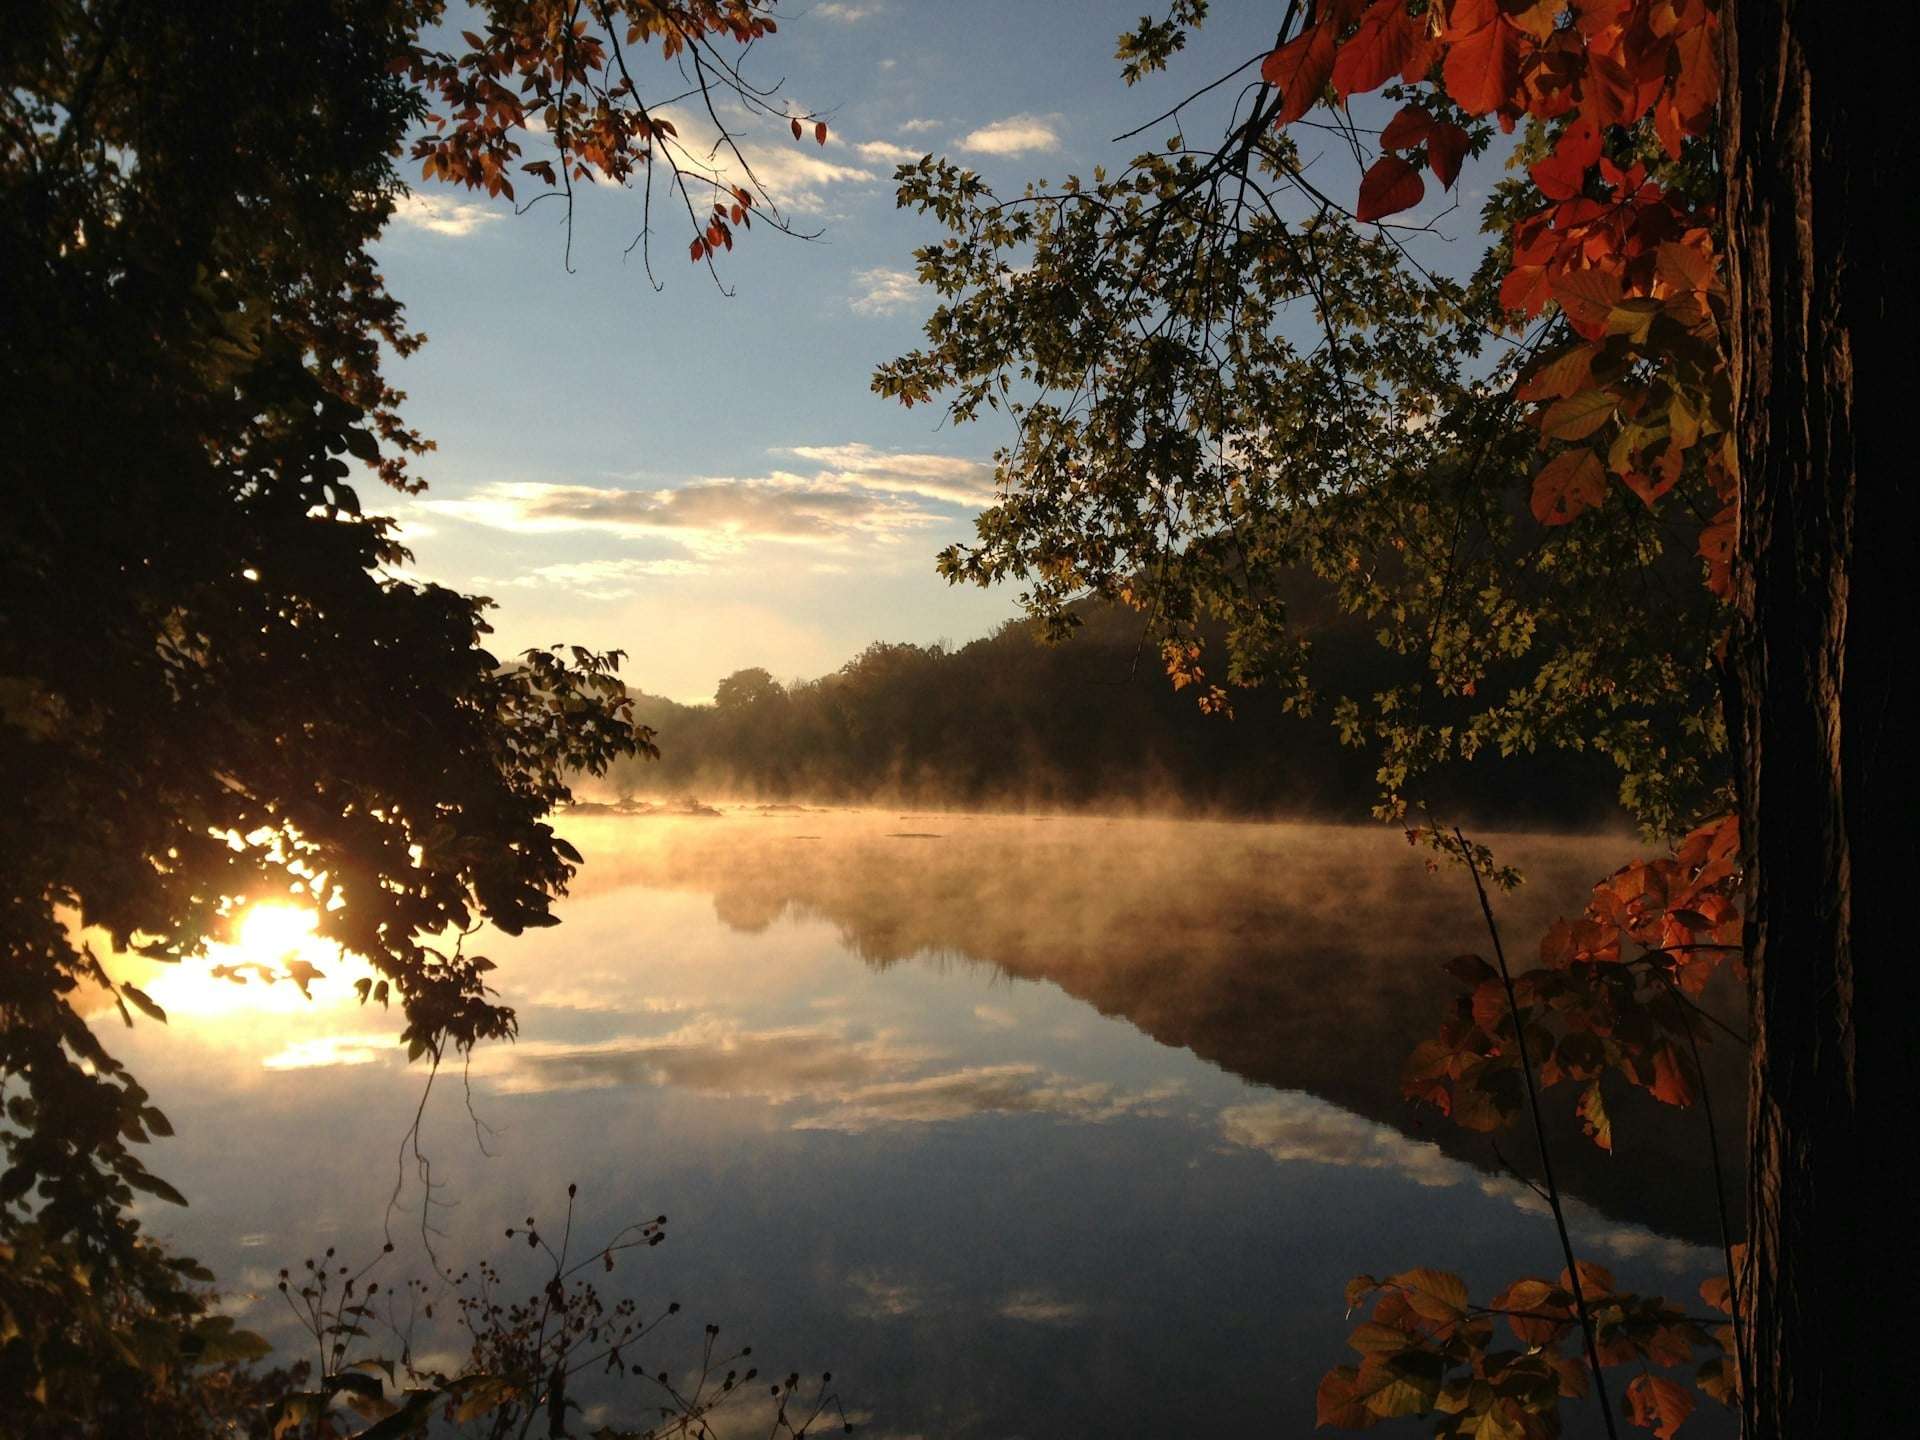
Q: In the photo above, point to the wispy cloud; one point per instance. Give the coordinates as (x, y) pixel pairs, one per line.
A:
(887, 150)
(1014, 135)
(1294, 1126)
(599, 579)
(796, 173)
(442, 216)
(709, 517)
(917, 127)
(884, 292)
(946, 478)
(1039, 1307)
(833, 1080)
(859, 496)
(847, 12)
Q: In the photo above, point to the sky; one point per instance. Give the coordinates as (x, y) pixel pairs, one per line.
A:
(706, 481)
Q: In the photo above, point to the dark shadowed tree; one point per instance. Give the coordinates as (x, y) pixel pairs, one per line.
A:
(215, 684)
(1818, 139)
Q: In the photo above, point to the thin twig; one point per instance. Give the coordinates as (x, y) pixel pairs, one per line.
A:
(1540, 1137)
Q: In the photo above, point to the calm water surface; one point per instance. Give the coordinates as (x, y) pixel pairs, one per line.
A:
(1022, 1127)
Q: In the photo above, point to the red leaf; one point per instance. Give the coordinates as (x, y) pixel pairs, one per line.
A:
(1563, 174)
(1657, 1404)
(1299, 70)
(1407, 129)
(820, 132)
(1388, 38)
(1569, 483)
(1588, 297)
(1483, 67)
(796, 128)
(1392, 185)
(1446, 147)
(1524, 289)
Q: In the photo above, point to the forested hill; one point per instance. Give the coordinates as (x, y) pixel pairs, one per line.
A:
(1089, 724)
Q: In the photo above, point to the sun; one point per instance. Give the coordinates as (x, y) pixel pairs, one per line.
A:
(270, 931)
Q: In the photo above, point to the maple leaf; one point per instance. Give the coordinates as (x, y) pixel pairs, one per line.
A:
(1389, 186)
(1569, 483)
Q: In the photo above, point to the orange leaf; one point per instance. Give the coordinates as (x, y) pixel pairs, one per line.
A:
(1482, 68)
(1388, 38)
(1563, 174)
(1672, 1083)
(1558, 375)
(1299, 70)
(1655, 1403)
(1569, 483)
(1338, 1401)
(1588, 297)
(1578, 416)
(1390, 186)
(1525, 289)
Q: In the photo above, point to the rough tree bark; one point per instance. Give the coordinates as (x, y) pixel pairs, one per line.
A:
(1821, 168)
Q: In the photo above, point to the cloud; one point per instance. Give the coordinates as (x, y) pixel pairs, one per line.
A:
(1293, 1126)
(883, 292)
(946, 478)
(833, 1080)
(887, 150)
(326, 1050)
(917, 127)
(796, 174)
(1014, 135)
(442, 216)
(599, 579)
(858, 496)
(1037, 1307)
(883, 1296)
(710, 517)
(845, 11)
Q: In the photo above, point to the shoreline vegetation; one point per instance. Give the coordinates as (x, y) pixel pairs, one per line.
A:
(1010, 722)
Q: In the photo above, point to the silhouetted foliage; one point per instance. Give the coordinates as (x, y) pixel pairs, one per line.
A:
(1012, 720)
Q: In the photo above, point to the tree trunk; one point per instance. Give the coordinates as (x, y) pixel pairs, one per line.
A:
(1821, 172)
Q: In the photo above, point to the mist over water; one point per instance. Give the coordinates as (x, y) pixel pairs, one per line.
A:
(1021, 1126)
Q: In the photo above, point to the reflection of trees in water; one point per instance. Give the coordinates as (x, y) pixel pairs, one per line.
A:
(1297, 957)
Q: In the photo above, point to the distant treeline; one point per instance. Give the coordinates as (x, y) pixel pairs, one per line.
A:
(1092, 723)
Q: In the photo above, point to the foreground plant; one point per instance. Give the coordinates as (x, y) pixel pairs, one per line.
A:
(528, 1356)
(1616, 995)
